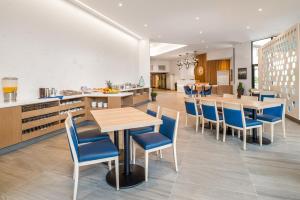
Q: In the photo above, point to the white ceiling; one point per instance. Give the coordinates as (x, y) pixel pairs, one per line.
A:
(223, 22)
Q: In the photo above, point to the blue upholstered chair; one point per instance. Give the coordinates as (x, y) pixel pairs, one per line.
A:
(234, 117)
(153, 110)
(247, 111)
(164, 138)
(266, 94)
(89, 135)
(208, 91)
(210, 114)
(188, 91)
(90, 153)
(274, 115)
(192, 110)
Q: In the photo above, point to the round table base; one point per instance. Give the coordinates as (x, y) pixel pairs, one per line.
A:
(136, 177)
(252, 140)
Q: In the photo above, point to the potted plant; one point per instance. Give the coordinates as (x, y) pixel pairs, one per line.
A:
(240, 89)
(153, 96)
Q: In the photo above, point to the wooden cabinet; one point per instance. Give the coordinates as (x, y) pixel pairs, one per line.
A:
(10, 126)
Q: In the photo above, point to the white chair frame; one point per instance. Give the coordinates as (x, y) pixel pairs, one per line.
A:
(197, 116)
(236, 106)
(68, 124)
(217, 122)
(279, 101)
(170, 113)
(155, 108)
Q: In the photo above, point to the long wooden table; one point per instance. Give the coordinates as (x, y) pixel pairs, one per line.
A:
(119, 119)
(254, 105)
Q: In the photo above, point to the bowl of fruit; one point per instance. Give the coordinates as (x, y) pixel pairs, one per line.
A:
(110, 91)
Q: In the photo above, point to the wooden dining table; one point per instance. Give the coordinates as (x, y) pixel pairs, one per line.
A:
(253, 105)
(119, 120)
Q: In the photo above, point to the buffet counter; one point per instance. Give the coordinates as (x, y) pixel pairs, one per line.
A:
(24, 120)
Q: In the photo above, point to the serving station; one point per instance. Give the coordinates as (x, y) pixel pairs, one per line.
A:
(24, 120)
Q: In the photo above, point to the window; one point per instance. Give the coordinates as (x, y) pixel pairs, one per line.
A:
(255, 48)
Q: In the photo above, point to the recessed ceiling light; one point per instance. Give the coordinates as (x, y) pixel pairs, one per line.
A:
(260, 10)
(248, 27)
(201, 32)
(145, 25)
(197, 18)
(120, 4)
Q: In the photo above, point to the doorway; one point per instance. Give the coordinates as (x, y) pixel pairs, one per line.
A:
(159, 80)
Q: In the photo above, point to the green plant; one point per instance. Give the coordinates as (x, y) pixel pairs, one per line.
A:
(153, 94)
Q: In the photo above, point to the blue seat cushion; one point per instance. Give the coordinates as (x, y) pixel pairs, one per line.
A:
(97, 150)
(91, 136)
(268, 118)
(151, 140)
(252, 122)
(137, 131)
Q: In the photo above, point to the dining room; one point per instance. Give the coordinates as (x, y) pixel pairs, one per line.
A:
(101, 100)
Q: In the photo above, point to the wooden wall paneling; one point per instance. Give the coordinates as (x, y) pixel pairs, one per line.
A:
(201, 65)
(10, 126)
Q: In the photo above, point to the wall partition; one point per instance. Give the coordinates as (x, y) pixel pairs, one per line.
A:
(279, 68)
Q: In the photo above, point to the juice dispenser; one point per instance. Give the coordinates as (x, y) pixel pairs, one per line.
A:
(10, 86)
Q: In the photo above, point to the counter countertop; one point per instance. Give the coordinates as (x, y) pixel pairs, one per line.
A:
(35, 101)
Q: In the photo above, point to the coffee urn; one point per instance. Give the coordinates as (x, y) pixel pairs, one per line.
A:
(10, 86)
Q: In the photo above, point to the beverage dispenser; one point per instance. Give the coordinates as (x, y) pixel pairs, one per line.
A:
(10, 86)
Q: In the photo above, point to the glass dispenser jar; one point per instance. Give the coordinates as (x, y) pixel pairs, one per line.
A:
(10, 86)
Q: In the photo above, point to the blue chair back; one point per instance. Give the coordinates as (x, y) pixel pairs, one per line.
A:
(151, 112)
(168, 127)
(263, 96)
(278, 111)
(208, 91)
(233, 115)
(191, 106)
(187, 90)
(72, 137)
(209, 110)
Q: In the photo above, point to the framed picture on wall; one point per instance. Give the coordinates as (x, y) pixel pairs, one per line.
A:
(242, 73)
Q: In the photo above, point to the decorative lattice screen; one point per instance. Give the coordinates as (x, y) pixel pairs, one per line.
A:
(279, 68)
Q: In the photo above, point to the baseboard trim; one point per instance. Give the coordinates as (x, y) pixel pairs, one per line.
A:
(293, 119)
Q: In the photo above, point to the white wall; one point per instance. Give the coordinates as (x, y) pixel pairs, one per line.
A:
(243, 60)
(156, 62)
(55, 44)
(220, 54)
(144, 61)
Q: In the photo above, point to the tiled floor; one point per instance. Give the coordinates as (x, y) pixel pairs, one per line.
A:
(208, 169)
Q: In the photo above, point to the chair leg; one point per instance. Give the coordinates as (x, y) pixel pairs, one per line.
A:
(197, 124)
(76, 172)
(117, 172)
(239, 134)
(133, 152)
(224, 132)
(131, 147)
(160, 154)
(109, 165)
(232, 132)
(272, 133)
(217, 130)
(186, 120)
(146, 166)
(251, 132)
(211, 126)
(244, 138)
(260, 135)
(175, 157)
(203, 126)
(283, 127)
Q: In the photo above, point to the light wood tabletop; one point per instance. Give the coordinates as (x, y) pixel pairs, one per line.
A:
(257, 105)
(123, 118)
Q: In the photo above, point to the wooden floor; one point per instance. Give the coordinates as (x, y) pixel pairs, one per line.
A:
(208, 169)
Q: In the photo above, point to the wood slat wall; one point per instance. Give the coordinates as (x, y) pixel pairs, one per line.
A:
(216, 65)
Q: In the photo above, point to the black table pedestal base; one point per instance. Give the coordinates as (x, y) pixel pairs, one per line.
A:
(255, 140)
(135, 177)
